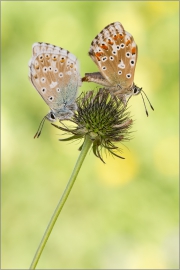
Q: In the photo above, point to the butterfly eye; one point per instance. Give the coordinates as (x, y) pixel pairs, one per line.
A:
(120, 72)
(50, 68)
(60, 74)
(53, 116)
(135, 90)
(55, 70)
(122, 45)
(58, 90)
(111, 58)
(104, 68)
(118, 47)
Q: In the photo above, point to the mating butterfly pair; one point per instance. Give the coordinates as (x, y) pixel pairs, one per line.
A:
(54, 72)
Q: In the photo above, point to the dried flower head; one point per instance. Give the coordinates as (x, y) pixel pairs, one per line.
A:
(103, 118)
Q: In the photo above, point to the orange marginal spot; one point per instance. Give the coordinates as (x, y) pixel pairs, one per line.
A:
(35, 76)
(62, 60)
(118, 36)
(104, 47)
(115, 37)
(36, 67)
(121, 36)
(110, 42)
(133, 50)
(128, 42)
(71, 65)
(98, 54)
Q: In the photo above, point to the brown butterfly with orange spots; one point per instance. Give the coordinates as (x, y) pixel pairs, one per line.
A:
(115, 53)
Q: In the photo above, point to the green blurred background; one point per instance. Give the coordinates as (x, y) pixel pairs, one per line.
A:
(121, 215)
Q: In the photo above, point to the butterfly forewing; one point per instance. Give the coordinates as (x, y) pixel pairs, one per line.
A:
(115, 53)
(54, 72)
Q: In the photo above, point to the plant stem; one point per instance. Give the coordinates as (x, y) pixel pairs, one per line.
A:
(85, 148)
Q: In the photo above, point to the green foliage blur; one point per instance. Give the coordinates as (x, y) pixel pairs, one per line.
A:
(121, 215)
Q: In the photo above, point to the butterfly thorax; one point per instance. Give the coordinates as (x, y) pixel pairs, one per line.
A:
(126, 93)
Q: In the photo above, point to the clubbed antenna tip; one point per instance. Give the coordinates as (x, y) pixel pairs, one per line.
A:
(38, 133)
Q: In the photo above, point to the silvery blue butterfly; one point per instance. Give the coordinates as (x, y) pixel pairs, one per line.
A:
(115, 53)
(54, 73)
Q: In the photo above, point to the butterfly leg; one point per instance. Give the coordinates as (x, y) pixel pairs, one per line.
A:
(95, 77)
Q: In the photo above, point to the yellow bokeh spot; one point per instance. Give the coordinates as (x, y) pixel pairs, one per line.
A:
(166, 156)
(117, 171)
(159, 7)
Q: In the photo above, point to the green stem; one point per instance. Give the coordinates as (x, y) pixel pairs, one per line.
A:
(86, 146)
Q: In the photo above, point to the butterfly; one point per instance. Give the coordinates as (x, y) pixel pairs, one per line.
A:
(115, 53)
(54, 73)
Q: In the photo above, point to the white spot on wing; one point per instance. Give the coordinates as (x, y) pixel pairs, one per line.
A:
(53, 84)
(121, 65)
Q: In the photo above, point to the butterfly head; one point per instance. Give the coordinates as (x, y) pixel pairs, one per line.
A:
(51, 116)
(136, 90)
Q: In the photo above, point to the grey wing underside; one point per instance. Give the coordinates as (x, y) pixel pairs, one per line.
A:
(63, 88)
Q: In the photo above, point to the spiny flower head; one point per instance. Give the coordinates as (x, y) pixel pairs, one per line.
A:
(103, 118)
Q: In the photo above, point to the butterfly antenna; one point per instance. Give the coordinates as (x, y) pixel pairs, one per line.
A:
(148, 100)
(38, 133)
(144, 104)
